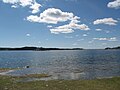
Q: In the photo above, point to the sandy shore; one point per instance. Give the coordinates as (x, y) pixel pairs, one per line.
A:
(4, 70)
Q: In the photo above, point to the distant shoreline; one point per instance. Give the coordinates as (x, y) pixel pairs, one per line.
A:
(27, 48)
(112, 48)
(37, 49)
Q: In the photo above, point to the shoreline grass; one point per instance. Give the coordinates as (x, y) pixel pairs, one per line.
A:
(5, 69)
(9, 83)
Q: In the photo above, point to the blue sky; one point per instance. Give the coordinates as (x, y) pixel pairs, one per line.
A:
(60, 23)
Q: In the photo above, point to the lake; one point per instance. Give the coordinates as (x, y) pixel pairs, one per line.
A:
(64, 64)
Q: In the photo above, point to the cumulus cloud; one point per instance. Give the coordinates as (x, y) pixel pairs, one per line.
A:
(106, 39)
(69, 28)
(98, 29)
(52, 16)
(74, 26)
(35, 8)
(77, 26)
(28, 35)
(10, 1)
(114, 4)
(75, 19)
(57, 31)
(108, 21)
(32, 4)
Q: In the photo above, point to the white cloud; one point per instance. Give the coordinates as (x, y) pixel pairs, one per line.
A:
(106, 39)
(100, 39)
(51, 15)
(14, 6)
(57, 31)
(74, 26)
(85, 35)
(19, 2)
(32, 4)
(69, 28)
(75, 19)
(11, 1)
(25, 2)
(98, 29)
(108, 21)
(77, 26)
(114, 4)
(49, 26)
(35, 8)
(33, 18)
(28, 35)
(113, 39)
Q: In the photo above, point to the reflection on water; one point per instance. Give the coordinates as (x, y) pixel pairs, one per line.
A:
(81, 64)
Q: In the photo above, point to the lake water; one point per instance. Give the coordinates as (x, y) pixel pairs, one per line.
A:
(64, 64)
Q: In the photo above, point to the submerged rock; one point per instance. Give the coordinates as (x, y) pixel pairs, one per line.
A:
(27, 66)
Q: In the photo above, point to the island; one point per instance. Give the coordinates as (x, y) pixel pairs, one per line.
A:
(112, 48)
(37, 48)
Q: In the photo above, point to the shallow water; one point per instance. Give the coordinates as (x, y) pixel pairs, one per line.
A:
(76, 64)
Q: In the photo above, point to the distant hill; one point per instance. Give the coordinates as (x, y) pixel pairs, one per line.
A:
(113, 48)
(38, 48)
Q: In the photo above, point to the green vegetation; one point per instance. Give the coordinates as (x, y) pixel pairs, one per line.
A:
(4, 69)
(37, 49)
(10, 83)
(32, 76)
(112, 48)
(7, 69)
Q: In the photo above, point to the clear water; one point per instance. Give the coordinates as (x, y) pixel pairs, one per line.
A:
(81, 64)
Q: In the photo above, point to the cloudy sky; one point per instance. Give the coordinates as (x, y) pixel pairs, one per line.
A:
(60, 23)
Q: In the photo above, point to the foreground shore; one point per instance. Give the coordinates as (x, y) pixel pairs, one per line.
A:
(11, 83)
